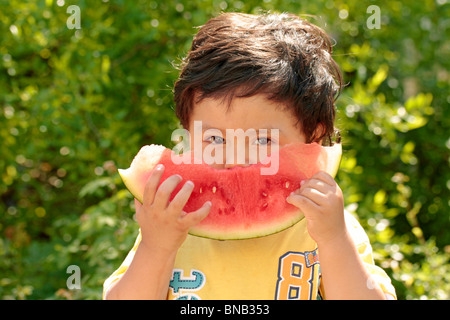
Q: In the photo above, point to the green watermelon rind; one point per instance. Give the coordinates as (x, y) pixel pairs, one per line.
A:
(238, 235)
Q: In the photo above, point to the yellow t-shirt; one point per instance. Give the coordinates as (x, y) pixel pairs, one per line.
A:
(282, 266)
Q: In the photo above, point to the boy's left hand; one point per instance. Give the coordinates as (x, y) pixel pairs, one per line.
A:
(321, 201)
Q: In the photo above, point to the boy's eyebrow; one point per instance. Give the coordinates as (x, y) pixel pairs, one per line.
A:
(206, 126)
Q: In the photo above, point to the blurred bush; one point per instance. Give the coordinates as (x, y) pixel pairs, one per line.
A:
(76, 104)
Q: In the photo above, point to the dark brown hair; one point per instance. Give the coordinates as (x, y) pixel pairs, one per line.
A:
(280, 55)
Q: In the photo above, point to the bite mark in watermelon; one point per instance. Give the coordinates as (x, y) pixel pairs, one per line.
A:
(245, 204)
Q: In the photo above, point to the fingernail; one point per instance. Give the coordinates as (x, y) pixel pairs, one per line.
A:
(208, 203)
(302, 182)
(159, 167)
(190, 183)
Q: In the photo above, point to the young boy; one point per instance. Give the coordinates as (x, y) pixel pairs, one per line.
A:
(260, 72)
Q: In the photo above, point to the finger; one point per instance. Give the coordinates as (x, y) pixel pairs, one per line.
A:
(314, 183)
(181, 198)
(317, 184)
(165, 190)
(325, 177)
(194, 217)
(299, 200)
(306, 205)
(314, 195)
(152, 184)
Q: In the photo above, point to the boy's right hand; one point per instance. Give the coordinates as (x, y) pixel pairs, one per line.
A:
(164, 225)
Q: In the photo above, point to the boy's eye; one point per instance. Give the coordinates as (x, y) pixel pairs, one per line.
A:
(263, 140)
(216, 140)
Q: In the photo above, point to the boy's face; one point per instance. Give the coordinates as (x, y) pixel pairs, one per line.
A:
(221, 137)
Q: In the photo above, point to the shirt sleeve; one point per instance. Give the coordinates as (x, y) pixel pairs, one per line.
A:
(364, 248)
(123, 267)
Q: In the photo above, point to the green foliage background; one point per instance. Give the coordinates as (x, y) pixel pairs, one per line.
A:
(78, 104)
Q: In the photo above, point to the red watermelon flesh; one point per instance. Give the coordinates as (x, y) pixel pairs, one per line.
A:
(245, 204)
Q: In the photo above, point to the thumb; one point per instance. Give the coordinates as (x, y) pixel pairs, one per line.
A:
(137, 204)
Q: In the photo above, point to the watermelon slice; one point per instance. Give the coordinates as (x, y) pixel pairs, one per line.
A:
(245, 204)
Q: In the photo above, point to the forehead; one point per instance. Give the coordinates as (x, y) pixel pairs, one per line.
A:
(256, 111)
